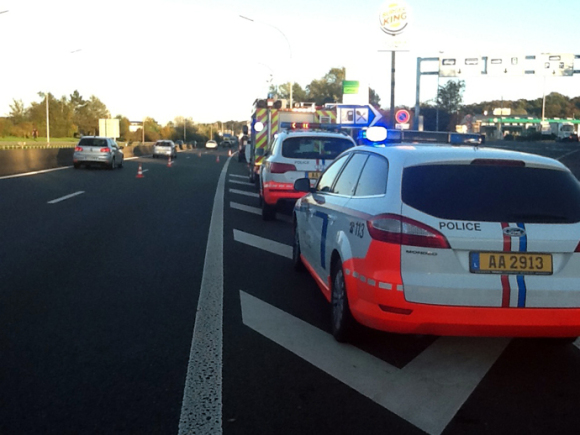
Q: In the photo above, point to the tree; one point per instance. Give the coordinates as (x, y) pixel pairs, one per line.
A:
(17, 111)
(374, 98)
(328, 89)
(451, 96)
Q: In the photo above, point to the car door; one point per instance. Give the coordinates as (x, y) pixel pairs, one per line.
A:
(309, 243)
(329, 214)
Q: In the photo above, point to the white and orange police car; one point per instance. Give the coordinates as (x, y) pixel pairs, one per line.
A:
(295, 154)
(444, 240)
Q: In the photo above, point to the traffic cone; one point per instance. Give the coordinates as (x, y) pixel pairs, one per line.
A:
(169, 162)
(140, 172)
(217, 158)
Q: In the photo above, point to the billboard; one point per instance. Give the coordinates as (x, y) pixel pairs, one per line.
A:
(109, 128)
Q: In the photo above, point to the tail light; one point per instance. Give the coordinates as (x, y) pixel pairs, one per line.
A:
(78, 148)
(105, 150)
(400, 230)
(280, 168)
(577, 248)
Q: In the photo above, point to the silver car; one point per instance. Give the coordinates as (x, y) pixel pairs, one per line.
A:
(95, 150)
(164, 148)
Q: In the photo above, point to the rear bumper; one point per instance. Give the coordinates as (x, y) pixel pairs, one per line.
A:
(392, 313)
(274, 192)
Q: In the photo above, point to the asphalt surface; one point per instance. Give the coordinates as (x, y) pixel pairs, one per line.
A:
(99, 295)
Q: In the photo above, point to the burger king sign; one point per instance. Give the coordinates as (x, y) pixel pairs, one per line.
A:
(394, 17)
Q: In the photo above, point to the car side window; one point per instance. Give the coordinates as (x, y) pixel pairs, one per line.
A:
(349, 177)
(373, 179)
(327, 179)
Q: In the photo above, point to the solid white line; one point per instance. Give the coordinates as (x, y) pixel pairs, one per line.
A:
(263, 244)
(201, 409)
(243, 192)
(54, 201)
(242, 183)
(568, 154)
(427, 392)
(247, 208)
(5, 177)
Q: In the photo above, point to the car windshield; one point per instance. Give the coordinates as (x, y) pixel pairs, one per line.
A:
(493, 193)
(314, 147)
(93, 142)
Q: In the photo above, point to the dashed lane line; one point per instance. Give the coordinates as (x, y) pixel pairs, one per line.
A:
(258, 211)
(243, 192)
(427, 392)
(263, 244)
(64, 198)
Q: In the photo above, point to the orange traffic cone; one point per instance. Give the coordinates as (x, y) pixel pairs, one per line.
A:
(169, 162)
(217, 158)
(140, 172)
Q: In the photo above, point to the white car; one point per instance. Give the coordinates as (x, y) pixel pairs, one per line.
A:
(444, 240)
(164, 148)
(211, 144)
(293, 155)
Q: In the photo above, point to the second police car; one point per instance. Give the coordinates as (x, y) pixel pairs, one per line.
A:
(295, 154)
(444, 240)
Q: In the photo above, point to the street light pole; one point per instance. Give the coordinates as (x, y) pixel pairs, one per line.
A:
(47, 122)
(287, 42)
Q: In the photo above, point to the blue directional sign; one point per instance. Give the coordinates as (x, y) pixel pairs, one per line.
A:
(355, 116)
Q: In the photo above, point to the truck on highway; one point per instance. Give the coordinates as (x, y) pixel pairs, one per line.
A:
(564, 131)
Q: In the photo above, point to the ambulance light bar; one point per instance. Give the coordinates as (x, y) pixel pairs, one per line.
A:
(309, 126)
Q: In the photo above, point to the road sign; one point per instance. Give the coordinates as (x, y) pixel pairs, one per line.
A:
(357, 116)
(402, 116)
(460, 66)
(555, 65)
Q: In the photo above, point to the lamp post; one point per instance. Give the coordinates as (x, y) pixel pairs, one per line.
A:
(287, 42)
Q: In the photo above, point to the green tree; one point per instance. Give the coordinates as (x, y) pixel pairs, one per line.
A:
(450, 96)
(328, 89)
(17, 111)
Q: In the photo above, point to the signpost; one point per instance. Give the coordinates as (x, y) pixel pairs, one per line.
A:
(357, 116)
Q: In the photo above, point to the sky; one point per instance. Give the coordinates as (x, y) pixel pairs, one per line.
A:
(199, 59)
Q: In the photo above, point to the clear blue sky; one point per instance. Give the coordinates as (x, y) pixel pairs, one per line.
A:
(197, 58)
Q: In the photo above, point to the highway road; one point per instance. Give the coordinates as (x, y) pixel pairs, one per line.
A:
(165, 305)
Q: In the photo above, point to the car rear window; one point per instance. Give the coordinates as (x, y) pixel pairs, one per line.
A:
(314, 147)
(93, 142)
(493, 193)
(163, 144)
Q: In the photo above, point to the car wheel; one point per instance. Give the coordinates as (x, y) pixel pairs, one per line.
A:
(113, 165)
(77, 165)
(121, 163)
(268, 211)
(296, 260)
(341, 317)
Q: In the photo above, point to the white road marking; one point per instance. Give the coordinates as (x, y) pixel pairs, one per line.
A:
(427, 392)
(243, 192)
(5, 177)
(245, 177)
(263, 244)
(246, 208)
(144, 170)
(242, 183)
(568, 154)
(201, 409)
(577, 343)
(258, 211)
(64, 198)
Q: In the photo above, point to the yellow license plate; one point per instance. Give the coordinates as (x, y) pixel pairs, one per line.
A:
(520, 263)
(314, 175)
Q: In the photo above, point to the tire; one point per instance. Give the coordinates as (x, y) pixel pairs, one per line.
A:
(113, 165)
(252, 177)
(296, 260)
(268, 211)
(121, 163)
(342, 321)
(77, 165)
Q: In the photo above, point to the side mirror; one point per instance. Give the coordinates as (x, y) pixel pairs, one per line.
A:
(303, 185)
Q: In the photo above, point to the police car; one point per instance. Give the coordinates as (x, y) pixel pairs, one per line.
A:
(444, 240)
(295, 154)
